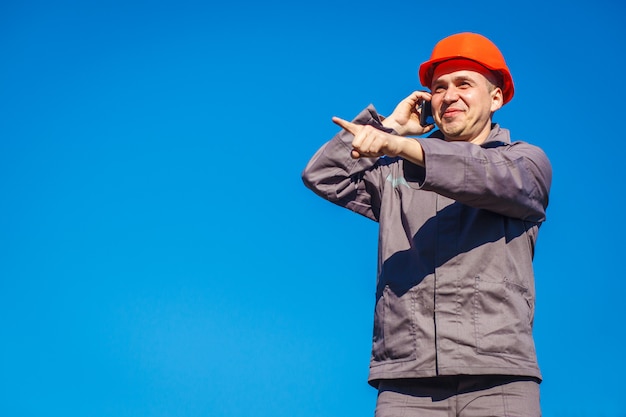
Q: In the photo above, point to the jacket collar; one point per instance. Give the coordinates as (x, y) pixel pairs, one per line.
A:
(497, 137)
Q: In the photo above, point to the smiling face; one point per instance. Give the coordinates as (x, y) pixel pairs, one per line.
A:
(464, 97)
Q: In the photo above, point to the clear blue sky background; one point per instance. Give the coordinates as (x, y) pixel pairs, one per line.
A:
(159, 255)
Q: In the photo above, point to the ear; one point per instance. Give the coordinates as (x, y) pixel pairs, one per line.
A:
(497, 99)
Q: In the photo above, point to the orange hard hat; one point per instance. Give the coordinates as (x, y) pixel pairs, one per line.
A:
(469, 46)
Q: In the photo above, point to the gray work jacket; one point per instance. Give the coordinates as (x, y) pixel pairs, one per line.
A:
(455, 290)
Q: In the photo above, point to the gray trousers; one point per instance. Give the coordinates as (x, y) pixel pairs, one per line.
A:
(459, 396)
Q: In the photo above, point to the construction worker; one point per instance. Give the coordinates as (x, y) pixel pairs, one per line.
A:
(459, 212)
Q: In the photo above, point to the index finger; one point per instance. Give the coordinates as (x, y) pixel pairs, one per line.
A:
(418, 97)
(349, 126)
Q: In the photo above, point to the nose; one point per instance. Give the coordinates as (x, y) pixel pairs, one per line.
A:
(451, 95)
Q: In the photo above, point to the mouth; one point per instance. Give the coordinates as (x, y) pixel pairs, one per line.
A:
(451, 112)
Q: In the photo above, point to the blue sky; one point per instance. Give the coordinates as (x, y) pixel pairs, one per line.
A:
(159, 253)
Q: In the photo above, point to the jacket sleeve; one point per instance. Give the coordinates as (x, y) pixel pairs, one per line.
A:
(510, 179)
(351, 183)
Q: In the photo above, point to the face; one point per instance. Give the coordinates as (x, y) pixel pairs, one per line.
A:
(463, 101)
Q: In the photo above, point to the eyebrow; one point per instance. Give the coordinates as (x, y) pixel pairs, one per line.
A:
(456, 79)
(463, 78)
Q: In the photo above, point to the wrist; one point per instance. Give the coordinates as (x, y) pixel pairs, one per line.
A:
(412, 150)
(392, 124)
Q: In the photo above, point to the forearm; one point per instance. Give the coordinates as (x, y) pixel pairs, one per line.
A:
(412, 150)
(512, 180)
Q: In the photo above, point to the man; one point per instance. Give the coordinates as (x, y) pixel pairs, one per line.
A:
(458, 215)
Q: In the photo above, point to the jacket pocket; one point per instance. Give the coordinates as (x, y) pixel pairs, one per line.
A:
(394, 326)
(502, 316)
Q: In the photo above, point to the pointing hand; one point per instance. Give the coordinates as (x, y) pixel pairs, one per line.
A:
(370, 142)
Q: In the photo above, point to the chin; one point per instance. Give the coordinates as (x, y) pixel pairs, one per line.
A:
(454, 134)
(451, 131)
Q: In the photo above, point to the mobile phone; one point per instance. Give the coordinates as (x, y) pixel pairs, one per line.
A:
(426, 114)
